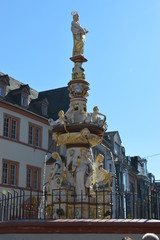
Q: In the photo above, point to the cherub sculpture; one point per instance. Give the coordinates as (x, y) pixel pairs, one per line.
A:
(95, 119)
(61, 120)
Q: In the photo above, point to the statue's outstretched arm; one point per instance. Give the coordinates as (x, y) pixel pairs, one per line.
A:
(100, 114)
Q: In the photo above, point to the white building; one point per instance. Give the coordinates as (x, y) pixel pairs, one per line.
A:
(25, 135)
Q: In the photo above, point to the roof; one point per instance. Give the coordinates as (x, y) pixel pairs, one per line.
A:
(58, 99)
(113, 133)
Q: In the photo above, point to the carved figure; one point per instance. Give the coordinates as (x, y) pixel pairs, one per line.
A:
(78, 71)
(56, 171)
(97, 120)
(82, 171)
(70, 113)
(61, 120)
(78, 35)
(78, 90)
(100, 175)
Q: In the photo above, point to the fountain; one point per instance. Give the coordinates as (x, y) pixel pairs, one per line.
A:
(78, 188)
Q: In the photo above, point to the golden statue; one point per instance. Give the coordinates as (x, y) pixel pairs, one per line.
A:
(100, 175)
(78, 35)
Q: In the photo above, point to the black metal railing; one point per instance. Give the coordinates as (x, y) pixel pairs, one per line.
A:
(62, 203)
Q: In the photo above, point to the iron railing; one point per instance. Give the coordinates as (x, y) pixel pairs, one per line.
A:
(20, 204)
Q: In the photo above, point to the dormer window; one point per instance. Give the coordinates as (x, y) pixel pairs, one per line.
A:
(21, 95)
(41, 105)
(4, 82)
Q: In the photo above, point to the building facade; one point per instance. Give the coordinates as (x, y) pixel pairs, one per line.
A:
(25, 136)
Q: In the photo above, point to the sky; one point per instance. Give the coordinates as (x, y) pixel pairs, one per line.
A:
(123, 52)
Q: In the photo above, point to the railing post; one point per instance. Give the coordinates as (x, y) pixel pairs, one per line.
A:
(111, 205)
(67, 205)
(126, 197)
(96, 205)
(20, 205)
(15, 203)
(30, 204)
(10, 211)
(37, 203)
(45, 200)
(74, 202)
(103, 202)
(148, 203)
(81, 204)
(23, 203)
(116, 208)
(4, 207)
(7, 206)
(158, 210)
(89, 203)
(59, 202)
(52, 203)
(156, 204)
(133, 205)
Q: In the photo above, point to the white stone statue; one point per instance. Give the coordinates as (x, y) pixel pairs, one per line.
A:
(78, 35)
(82, 171)
(97, 120)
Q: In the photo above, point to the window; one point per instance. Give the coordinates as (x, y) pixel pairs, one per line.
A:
(11, 127)
(34, 135)
(24, 100)
(110, 167)
(2, 90)
(33, 177)
(10, 172)
(117, 149)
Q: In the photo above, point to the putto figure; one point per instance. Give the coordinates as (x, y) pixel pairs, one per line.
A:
(78, 35)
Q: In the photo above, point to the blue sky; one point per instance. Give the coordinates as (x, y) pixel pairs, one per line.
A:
(123, 52)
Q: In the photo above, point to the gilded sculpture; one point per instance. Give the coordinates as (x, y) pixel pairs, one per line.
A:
(101, 175)
(78, 35)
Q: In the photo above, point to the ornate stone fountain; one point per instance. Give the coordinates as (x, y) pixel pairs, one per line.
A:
(79, 180)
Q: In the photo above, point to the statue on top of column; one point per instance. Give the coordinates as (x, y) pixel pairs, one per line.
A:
(78, 35)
